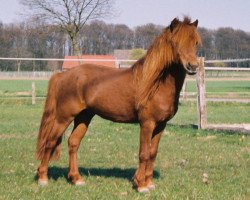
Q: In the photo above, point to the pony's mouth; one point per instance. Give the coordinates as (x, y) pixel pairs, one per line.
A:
(191, 70)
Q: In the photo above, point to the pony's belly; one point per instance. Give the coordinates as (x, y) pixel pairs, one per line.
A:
(112, 101)
(111, 108)
(118, 115)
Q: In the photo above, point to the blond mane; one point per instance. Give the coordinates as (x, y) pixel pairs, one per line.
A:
(159, 56)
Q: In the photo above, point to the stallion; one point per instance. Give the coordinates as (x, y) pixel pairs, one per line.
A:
(147, 93)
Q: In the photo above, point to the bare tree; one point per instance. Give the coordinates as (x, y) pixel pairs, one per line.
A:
(71, 15)
(18, 36)
(145, 34)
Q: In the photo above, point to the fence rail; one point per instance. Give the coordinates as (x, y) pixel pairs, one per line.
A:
(47, 74)
(227, 60)
(26, 74)
(66, 59)
(226, 69)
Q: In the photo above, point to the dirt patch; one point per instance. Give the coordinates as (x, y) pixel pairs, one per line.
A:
(18, 136)
(23, 93)
(246, 149)
(243, 128)
(207, 138)
(5, 136)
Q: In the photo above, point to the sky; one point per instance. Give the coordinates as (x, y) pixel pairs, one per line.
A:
(211, 14)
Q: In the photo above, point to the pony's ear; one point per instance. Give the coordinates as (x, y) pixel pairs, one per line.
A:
(195, 23)
(174, 23)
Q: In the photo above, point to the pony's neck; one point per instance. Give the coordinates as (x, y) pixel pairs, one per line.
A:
(160, 58)
(178, 73)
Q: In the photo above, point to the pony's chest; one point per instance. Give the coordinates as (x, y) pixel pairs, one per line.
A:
(164, 112)
(164, 105)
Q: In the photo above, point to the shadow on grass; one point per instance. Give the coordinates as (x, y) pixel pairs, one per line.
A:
(55, 173)
(188, 126)
(223, 129)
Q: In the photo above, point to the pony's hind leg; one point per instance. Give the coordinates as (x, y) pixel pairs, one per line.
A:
(51, 144)
(81, 123)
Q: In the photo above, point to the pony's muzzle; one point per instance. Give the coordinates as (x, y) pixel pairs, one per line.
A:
(191, 68)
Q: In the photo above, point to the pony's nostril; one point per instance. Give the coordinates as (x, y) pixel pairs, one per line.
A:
(189, 66)
(195, 67)
(192, 67)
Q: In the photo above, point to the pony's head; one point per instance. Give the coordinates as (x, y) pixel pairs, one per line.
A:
(175, 45)
(185, 39)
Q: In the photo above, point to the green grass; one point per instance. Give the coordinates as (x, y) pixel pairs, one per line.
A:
(222, 86)
(108, 158)
(227, 89)
(13, 88)
(217, 113)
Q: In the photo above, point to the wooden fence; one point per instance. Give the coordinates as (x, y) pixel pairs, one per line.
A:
(201, 98)
(200, 80)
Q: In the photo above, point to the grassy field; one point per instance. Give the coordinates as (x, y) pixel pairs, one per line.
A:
(223, 88)
(108, 157)
(22, 88)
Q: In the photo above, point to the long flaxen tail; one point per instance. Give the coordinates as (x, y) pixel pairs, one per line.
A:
(48, 119)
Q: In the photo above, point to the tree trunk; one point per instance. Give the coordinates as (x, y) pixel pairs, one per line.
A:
(75, 46)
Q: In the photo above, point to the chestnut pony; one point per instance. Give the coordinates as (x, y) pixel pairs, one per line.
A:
(147, 93)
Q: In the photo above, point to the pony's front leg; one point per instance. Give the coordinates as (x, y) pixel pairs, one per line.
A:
(80, 128)
(153, 152)
(144, 155)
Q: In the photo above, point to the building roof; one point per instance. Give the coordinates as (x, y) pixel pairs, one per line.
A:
(70, 64)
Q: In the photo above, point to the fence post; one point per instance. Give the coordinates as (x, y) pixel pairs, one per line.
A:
(201, 99)
(184, 95)
(33, 93)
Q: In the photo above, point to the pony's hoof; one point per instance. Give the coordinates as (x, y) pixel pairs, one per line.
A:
(151, 186)
(80, 183)
(143, 190)
(42, 182)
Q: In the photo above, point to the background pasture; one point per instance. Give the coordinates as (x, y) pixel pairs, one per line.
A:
(108, 155)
